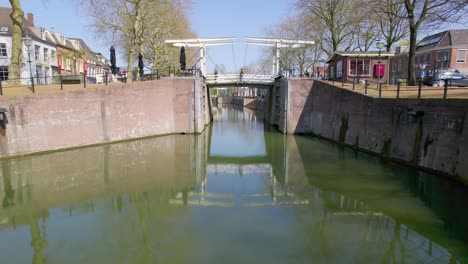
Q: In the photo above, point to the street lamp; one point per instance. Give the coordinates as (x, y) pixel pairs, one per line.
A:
(28, 43)
(379, 45)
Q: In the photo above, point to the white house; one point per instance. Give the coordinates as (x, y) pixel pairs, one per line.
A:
(38, 60)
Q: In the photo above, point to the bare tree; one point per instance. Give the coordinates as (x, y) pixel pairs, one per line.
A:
(337, 18)
(297, 27)
(366, 33)
(16, 16)
(390, 17)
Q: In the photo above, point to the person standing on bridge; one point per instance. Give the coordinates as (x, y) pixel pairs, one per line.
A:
(216, 75)
(241, 75)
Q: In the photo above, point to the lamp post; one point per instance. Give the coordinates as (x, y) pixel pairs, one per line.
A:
(28, 43)
(379, 45)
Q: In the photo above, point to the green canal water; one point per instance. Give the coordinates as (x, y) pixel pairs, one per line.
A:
(239, 193)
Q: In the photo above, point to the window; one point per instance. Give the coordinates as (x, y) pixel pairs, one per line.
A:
(37, 50)
(443, 59)
(53, 56)
(359, 67)
(46, 55)
(3, 50)
(461, 56)
(428, 59)
(67, 64)
(3, 73)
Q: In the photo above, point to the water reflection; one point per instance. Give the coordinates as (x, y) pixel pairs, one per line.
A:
(190, 199)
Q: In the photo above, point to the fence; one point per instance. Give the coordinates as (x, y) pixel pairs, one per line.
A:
(402, 90)
(60, 82)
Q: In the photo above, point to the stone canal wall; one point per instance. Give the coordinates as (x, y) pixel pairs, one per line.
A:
(428, 133)
(64, 119)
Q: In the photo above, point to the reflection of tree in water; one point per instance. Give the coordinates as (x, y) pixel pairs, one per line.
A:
(38, 239)
(325, 224)
(8, 192)
(391, 253)
(150, 226)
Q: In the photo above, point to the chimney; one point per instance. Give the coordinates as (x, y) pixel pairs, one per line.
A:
(31, 19)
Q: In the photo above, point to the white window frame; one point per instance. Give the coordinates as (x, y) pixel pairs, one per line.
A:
(37, 53)
(4, 73)
(3, 47)
(365, 70)
(458, 55)
(46, 55)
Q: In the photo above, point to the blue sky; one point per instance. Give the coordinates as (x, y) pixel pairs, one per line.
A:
(209, 18)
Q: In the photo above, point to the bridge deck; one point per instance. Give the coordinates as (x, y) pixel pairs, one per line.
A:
(235, 80)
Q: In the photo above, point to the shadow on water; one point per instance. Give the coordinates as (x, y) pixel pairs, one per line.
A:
(240, 192)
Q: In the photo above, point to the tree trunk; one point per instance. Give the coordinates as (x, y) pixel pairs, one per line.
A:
(16, 16)
(130, 59)
(411, 54)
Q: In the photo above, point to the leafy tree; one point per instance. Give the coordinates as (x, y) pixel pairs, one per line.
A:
(138, 26)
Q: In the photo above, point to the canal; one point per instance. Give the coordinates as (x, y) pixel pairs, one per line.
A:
(239, 193)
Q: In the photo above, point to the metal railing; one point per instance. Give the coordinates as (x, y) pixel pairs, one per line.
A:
(238, 78)
(402, 90)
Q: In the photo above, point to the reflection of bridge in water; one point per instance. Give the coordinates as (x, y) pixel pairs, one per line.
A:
(277, 195)
(200, 175)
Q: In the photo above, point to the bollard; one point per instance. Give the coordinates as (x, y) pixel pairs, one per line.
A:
(61, 83)
(107, 78)
(445, 88)
(32, 85)
(354, 82)
(342, 81)
(365, 86)
(398, 90)
(419, 89)
(380, 89)
(84, 80)
(1, 88)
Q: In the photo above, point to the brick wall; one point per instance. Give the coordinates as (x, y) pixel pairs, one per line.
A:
(429, 133)
(64, 119)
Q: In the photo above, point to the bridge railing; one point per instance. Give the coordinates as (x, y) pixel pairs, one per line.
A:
(237, 78)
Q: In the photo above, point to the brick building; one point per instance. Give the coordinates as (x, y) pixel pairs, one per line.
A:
(438, 52)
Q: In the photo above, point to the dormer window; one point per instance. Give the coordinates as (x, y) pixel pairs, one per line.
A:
(62, 40)
(42, 34)
(4, 29)
(77, 44)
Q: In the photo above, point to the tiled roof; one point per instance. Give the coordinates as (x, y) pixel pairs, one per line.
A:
(83, 44)
(459, 36)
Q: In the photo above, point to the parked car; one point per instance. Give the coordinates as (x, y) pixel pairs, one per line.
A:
(438, 78)
(459, 82)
